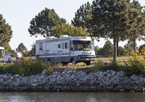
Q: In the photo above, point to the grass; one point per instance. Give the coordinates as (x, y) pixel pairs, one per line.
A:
(29, 68)
(120, 58)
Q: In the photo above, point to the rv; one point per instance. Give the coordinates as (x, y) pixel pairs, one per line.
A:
(66, 49)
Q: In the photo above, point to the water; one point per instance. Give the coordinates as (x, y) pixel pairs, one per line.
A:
(71, 97)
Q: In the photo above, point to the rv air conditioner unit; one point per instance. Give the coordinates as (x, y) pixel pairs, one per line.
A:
(63, 36)
(51, 37)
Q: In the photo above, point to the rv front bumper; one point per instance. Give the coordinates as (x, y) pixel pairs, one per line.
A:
(86, 58)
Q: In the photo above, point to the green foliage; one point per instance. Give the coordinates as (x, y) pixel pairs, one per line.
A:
(141, 47)
(5, 32)
(83, 16)
(13, 69)
(135, 65)
(108, 48)
(68, 29)
(125, 52)
(21, 48)
(136, 23)
(26, 53)
(32, 67)
(115, 19)
(101, 51)
(96, 48)
(1, 69)
(100, 66)
(33, 49)
(43, 22)
(26, 66)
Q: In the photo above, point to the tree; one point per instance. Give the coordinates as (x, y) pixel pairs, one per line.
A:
(5, 32)
(136, 23)
(21, 48)
(33, 50)
(13, 52)
(109, 18)
(128, 48)
(68, 29)
(43, 22)
(96, 48)
(108, 48)
(82, 17)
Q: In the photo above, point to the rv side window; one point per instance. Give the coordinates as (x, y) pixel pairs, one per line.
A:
(66, 45)
(40, 46)
(59, 45)
(62, 45)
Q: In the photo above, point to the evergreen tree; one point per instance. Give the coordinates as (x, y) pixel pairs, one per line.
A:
(109, 18)
(136, 23)
(108, 48)
(21, 48)
(43, 22)
(5, 32)
(96, 48)
(33, 50)
(82, 17)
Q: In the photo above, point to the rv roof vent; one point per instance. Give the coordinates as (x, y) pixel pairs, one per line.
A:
(51, 37)
(63, 36)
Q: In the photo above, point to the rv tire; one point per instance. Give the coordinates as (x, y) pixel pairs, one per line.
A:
(88, 63)
(72, 61)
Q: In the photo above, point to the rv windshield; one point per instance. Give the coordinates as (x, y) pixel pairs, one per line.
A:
(82, 45)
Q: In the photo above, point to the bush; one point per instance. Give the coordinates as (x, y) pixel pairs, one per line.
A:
(13, 69)
(135, 65)
(101, 66)
(98, 66)
(32, 67)
(1, 69)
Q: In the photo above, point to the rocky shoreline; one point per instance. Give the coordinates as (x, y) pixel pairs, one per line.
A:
(73, 80)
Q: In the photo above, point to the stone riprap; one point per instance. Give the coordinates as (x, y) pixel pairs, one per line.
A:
(72, 80)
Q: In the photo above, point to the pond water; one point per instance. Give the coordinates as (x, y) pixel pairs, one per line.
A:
(72, 97)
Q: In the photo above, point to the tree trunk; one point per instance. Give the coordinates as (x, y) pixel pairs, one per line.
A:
(134, 45)
(115, 49)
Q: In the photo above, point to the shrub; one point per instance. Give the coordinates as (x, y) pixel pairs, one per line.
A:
(1, 69)
(135, 65)
(101, 66)
(13, 69)
(98, 66)
(32, 67)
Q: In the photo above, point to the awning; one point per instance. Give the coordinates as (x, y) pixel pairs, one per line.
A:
(1, 48)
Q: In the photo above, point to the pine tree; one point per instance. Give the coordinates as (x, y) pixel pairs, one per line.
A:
(136, 23)
(109, 18)
(42, 23)
(21, 48)
(5, 32)
(83, 16)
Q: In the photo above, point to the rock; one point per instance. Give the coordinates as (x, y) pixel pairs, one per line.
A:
(73, 79)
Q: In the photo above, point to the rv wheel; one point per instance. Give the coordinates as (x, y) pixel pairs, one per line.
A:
(49, 60)
(88, 63)
(73, 61)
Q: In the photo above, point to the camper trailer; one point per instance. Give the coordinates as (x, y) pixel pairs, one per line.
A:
(66, 49)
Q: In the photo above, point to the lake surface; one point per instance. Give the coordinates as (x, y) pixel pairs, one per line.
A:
(72, 97)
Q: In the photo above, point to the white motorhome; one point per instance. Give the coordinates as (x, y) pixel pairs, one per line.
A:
(66, 49)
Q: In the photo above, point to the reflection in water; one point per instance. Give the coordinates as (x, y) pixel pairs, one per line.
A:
(71, 97)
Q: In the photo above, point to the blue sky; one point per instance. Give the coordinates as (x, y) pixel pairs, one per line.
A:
(19, 13)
